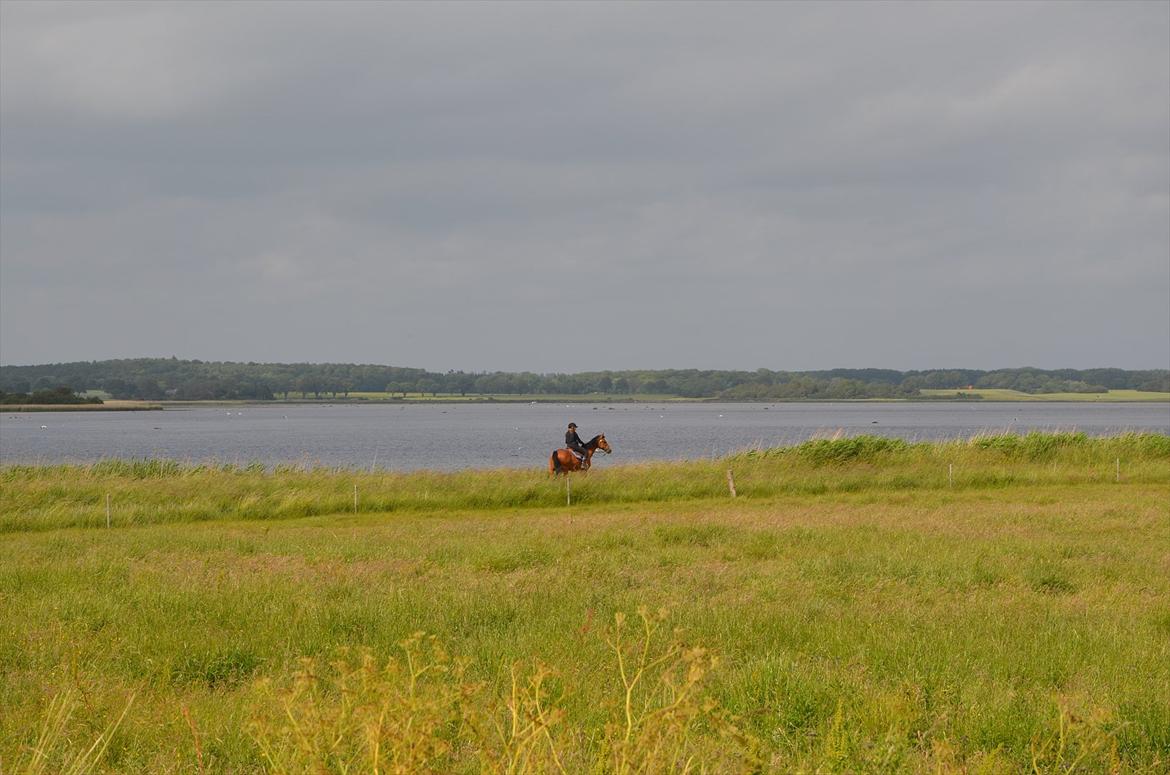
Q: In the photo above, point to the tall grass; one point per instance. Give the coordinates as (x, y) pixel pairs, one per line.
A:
(163, 491)
(856, 609)
(418, 711)
(54, 751)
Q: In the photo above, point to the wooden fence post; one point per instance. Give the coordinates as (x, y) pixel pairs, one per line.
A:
(730, 483)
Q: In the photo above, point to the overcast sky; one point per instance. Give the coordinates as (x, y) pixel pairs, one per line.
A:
(566, 187)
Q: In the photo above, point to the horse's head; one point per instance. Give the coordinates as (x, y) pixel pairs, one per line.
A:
(603, 445)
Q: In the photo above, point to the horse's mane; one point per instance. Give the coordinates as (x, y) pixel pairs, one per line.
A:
(594, 439)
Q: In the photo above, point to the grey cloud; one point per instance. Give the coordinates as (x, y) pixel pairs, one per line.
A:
(454, 186)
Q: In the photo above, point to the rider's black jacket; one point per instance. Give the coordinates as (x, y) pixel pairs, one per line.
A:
(572, 440)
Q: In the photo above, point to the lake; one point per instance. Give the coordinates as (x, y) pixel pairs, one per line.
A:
(452, 436)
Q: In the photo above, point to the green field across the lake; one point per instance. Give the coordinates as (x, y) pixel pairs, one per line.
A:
(1000, 394)
(997, 605)
(987, 394)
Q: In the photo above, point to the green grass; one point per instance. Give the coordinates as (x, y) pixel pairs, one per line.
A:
(514, 398)
(145, 492)
(572, 398)
(654, 398)
(859, 613)
(998, 394)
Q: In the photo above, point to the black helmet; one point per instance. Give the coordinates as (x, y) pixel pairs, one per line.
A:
(572, 425)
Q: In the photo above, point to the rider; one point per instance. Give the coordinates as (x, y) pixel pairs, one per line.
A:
(573, 442)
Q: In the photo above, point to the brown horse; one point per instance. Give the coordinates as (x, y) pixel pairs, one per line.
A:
(564, 461)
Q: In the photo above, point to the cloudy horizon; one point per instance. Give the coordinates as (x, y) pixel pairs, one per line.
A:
(583, 186)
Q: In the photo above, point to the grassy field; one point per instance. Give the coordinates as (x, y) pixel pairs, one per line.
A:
(522, 398)
(987, 394)
(864, 605)
(593, 398)
(995, 394)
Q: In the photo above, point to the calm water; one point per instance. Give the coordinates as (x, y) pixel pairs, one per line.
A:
(458, 436)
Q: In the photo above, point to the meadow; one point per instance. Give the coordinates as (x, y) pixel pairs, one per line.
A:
(523, 398)
(863, 605)
(1004, 394)
(987, 394)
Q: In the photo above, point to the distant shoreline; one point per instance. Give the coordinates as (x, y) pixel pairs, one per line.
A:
(932, 397)
(107, 406)
(928, 397)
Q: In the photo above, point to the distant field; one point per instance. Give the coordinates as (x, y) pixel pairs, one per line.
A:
(991, 394)
(596, 398)
(522, 397)
(611, 398)
(864, 605)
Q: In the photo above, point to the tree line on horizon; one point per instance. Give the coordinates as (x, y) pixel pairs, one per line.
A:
(155, 379)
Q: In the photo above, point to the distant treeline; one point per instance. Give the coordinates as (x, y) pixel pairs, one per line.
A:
(170, 378)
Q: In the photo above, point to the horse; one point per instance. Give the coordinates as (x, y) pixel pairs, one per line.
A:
(564, 461)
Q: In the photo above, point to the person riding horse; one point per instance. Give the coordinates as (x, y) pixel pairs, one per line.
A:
(573, 441)
(564, 460)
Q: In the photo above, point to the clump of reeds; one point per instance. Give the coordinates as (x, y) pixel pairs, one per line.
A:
(418, 711)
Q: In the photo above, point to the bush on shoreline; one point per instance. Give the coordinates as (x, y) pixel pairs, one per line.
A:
(58, 395)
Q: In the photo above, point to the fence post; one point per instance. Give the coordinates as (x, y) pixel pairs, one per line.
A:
(107, 511)
(730, 483)
(950, 474)
(1119, 469)
(355, 499)
(568, 491)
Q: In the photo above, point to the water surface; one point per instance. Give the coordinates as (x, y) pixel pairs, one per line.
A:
(413, 436)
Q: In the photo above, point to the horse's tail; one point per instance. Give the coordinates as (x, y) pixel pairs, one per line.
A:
(554, 464)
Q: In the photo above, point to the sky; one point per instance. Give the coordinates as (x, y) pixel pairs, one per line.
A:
(578, 186)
